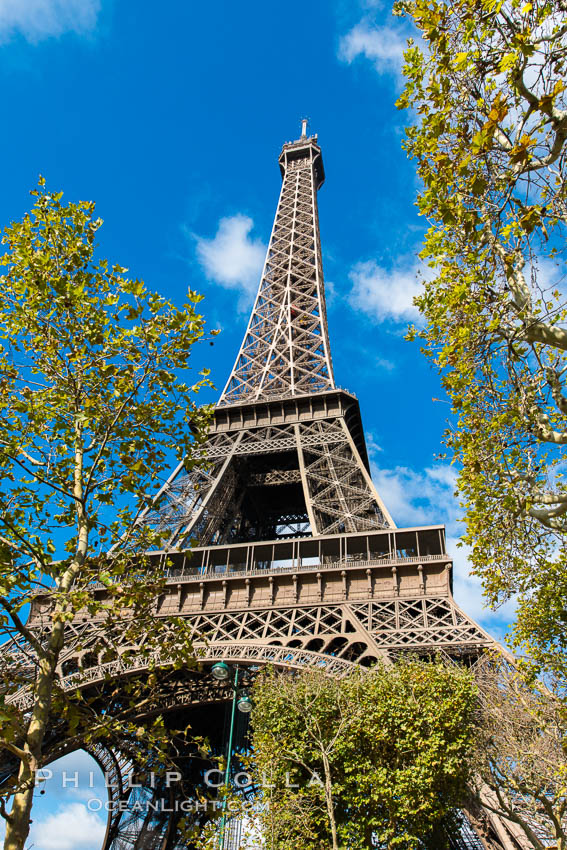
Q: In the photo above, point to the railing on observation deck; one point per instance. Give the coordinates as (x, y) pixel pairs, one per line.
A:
(173, 575)
(387, 548)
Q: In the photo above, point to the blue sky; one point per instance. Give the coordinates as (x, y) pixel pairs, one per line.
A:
(171, 117)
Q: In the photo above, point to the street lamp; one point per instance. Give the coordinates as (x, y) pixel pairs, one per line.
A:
(222, 672)
(244, 703)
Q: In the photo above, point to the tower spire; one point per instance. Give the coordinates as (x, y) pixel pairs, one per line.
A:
(285, 351)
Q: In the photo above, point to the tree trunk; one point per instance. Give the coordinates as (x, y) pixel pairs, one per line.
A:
(18, 821)
(18, 825)
(329, 799)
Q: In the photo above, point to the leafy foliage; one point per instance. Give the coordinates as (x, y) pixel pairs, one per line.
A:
(93, 408)
(488, 89)
(383, 752)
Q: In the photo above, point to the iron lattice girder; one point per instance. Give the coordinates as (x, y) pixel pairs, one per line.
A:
(286, 350)
(329, 635)
(315, 441)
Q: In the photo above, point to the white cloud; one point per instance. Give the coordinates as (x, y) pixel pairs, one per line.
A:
(71, 827)
(331, 296)
(372, 447)
(548, 276)
(468, 593)
(383, 46)
(40, 19)
(418, 498)
(232, 258)
(385, 295)
(384, 364)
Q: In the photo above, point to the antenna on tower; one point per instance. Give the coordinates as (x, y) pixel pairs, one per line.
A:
(304, 122)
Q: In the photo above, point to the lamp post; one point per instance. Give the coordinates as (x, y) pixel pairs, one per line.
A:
(222, 672)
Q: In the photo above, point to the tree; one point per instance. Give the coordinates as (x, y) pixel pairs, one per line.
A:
(382, 752)
(93, 407)
(488, 90)
(520, 766)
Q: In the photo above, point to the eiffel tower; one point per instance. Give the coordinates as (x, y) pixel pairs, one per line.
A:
(280, 550)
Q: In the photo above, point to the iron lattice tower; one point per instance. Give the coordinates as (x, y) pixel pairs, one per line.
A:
(297, 561)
